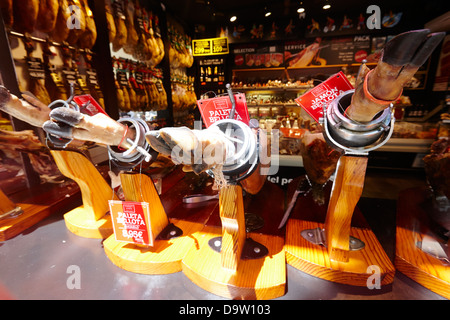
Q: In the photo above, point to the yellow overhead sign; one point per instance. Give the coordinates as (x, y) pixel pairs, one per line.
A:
(208, 47)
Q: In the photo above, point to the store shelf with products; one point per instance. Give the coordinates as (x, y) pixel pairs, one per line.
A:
(212, 71)
(91, 57)
(127, 54)
(416, 127)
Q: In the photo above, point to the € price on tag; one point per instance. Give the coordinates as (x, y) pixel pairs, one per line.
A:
(218, 108)
(313, 100)
(130, 220)
(88, 105)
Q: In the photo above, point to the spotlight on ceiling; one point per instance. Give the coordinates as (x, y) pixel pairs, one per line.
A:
(268, 13)
(233, 18)
(300, 10)
(327, 6)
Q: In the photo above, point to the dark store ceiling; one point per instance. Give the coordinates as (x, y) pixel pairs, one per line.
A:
(216, 12)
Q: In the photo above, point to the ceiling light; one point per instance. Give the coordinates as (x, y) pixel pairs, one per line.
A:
(300, 10)
(233, 18)
(327, 6)
(268, 13)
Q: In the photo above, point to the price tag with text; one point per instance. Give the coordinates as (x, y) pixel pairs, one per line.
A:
(130, 221)
(313, 100)
(219, 108)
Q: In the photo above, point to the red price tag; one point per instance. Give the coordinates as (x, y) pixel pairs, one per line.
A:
(313, 100)
(88, 105)
(130, 220)
(219, 108)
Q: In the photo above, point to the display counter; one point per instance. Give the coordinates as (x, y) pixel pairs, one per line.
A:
(44, 261)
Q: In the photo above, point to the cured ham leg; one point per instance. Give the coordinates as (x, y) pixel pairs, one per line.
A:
(401, 58)
(319, 159)
(6, 7)
(89, 36)
(67, 123)
(29, 110)
(25, 15)
(61, 32)
(70, 124)
(199, 149)
(47, 15)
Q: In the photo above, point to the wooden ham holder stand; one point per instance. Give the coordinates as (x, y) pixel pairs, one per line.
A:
(336, 251)
(225, 261)
(92, 219)
(171, 241)
(229, 263)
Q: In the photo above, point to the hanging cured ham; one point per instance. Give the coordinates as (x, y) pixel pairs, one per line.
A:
(110, 24)
(61, 32)
(89, 36)
(132, 35)
(6, 7)
(48, 12)
(121, 29)
(25, 15)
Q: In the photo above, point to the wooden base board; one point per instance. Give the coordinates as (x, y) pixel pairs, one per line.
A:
(420, 266)
(416, 264)
(261, 279)
(314, 259)
(32, 214)
(163, 258)
(82, 224)
(166, 255)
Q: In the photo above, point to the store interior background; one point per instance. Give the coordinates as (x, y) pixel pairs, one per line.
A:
(390, 170)
(200, 19)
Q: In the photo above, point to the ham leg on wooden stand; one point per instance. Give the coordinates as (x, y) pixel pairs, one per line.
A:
(401, 58)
